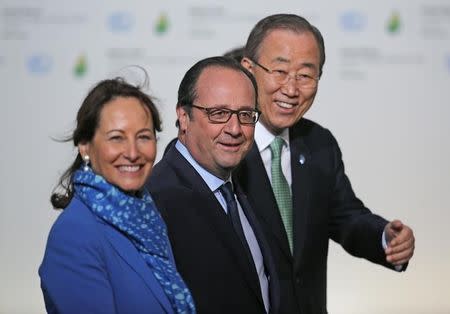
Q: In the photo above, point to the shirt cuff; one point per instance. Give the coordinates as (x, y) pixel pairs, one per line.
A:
(385, 245)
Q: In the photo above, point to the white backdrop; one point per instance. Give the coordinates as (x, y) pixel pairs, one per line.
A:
(385, 94)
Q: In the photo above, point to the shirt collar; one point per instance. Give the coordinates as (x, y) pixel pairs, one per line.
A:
(264, 138)
(211, 180)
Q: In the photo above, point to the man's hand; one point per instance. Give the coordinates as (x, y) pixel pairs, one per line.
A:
(400, 241)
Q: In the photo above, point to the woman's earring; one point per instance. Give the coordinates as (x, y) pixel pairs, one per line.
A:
(86, 162)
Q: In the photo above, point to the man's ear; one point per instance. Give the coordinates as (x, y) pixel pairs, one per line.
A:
(247, 63)
(183, 118)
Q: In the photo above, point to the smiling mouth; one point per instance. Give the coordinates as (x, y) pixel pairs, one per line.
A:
(231, 146)
(284, 105)
(130, 168)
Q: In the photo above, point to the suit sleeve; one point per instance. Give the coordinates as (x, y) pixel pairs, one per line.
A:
(73, 273)
(353, 225)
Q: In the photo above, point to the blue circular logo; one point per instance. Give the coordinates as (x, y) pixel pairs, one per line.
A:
(39, 64)
(120, 22)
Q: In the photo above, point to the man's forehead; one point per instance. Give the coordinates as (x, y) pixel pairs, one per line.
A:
(273, 36)
(216, 82)
(213, 75)
(286, 50)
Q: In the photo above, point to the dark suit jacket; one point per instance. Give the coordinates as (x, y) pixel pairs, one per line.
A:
(208, 253)
(324, 206)
(91, 267)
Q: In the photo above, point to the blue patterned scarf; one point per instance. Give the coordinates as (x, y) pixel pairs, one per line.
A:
(140, 221)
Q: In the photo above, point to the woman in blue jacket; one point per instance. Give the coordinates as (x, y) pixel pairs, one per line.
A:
(108, 251)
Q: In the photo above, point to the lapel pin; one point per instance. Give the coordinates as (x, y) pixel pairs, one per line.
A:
(301, 159)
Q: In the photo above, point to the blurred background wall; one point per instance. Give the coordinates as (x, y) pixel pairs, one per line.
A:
(385, 94)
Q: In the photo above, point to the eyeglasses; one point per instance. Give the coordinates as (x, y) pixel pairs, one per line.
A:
(282, 77)
(223, 115)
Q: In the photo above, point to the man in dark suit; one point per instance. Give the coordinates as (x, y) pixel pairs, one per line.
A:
(218, 246)
(294, 174)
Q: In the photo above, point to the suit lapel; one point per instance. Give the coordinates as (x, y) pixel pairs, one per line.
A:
(300, 163)
(206, 205)
(253, 177)
(130, 255)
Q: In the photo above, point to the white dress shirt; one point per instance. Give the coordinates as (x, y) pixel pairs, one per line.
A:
(263, 139)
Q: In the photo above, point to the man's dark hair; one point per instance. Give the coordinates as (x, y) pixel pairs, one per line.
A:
(187, 92)
(235, 53)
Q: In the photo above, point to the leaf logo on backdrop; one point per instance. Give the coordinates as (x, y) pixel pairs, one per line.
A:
(120, 22)
(394, 23)
(353, 21)
(162, 24)
(39, 64)
(80, 68)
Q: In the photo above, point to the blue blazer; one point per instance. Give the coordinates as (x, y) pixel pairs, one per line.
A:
(90, 267)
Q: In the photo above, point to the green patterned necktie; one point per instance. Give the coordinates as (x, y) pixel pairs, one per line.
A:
(281, 188)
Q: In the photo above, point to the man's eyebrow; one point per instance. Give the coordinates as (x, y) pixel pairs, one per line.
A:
(304, 64)
(281, 59)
